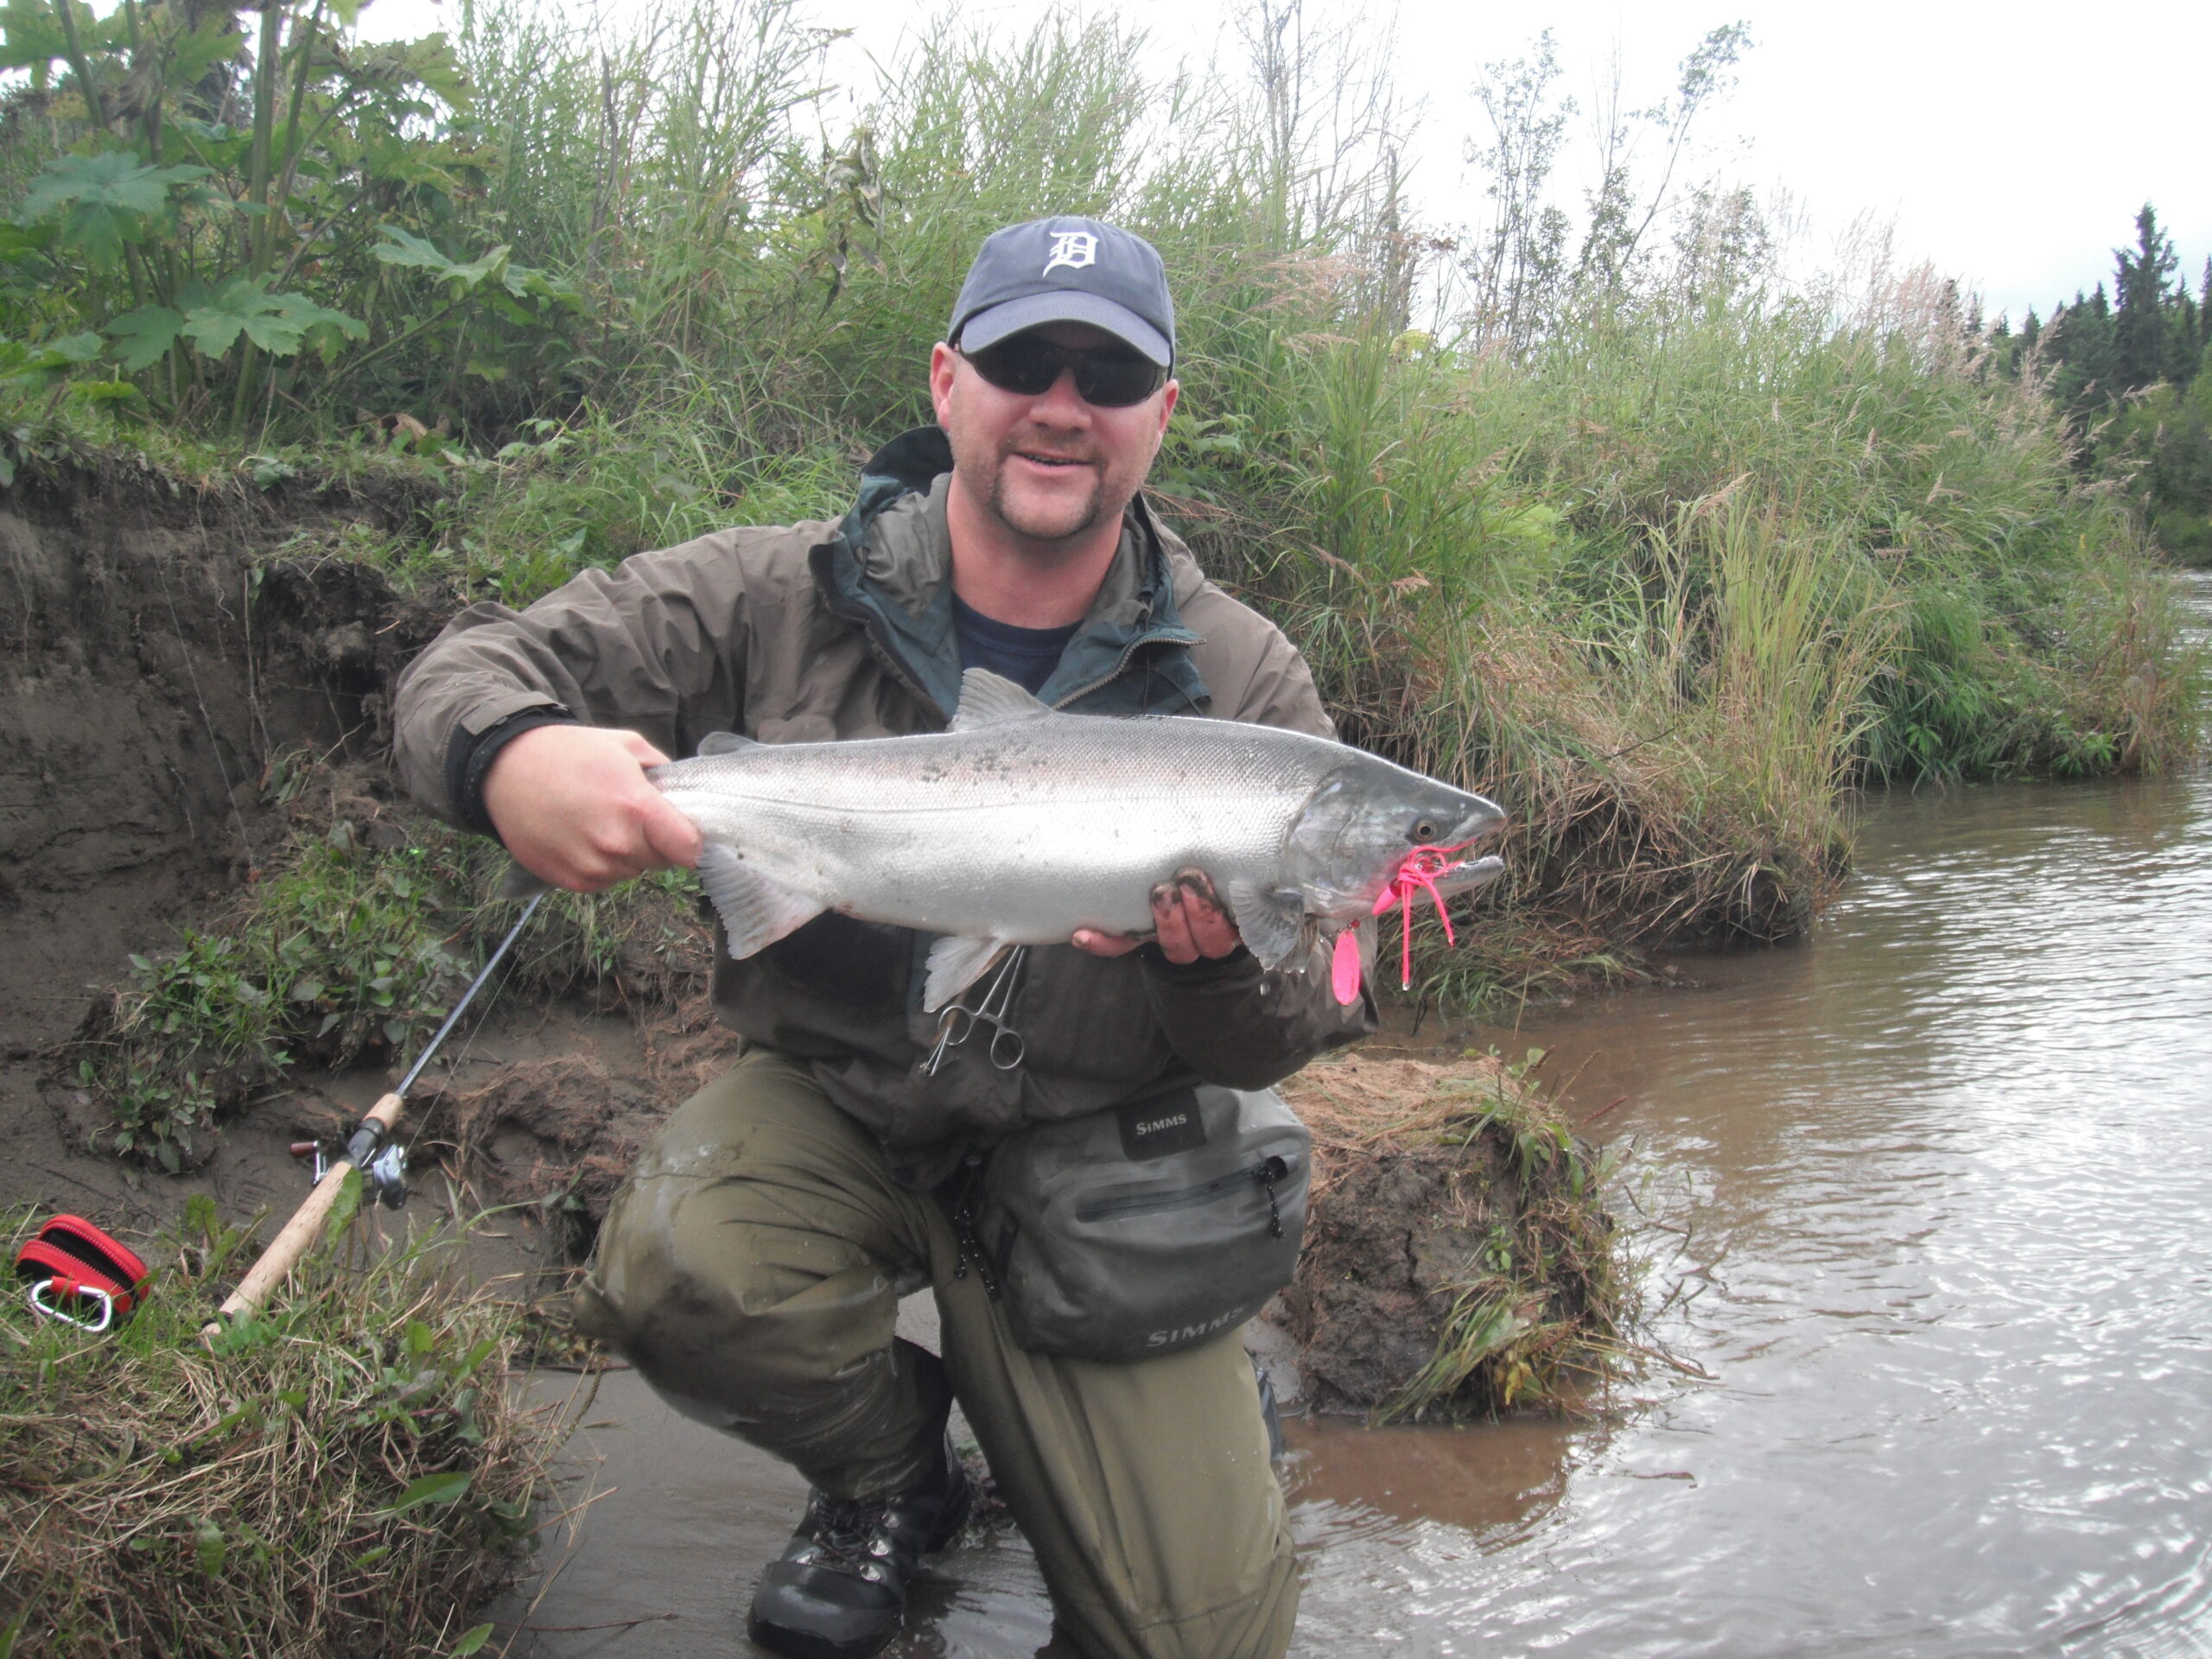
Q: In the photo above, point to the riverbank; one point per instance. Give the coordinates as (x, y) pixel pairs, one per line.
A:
(400, 1410)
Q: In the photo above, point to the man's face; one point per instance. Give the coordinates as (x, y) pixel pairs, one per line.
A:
(1049, 467)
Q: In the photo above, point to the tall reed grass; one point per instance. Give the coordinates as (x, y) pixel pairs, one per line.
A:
(1668, 579)
(1667, 584)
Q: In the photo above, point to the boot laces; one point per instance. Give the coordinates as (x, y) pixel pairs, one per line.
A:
(854, 1537)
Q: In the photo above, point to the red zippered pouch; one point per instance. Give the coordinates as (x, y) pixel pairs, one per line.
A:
(71, 1261)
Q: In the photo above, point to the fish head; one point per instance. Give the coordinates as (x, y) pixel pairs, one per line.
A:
(1363, 822)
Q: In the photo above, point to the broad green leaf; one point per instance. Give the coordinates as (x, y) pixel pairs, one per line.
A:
(193, 54)
(410, 251)
(326, 330)
(276, 322)
(142, 336)
(218, 146)
(70, 351)
(431, 61)
(471, 1640)
(106, 391)
(99, 199)
(494, 263)
(54, 360)
(22, 242)
(432, 1488)
(31, 38)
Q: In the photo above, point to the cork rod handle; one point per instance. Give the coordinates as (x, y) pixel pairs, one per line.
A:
(299, 1233)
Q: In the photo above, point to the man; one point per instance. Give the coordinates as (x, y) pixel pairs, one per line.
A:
(752, 1266)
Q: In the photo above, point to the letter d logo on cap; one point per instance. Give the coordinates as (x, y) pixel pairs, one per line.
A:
(1074, 249)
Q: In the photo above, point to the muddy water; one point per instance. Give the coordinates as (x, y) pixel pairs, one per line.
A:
(1929, 1199)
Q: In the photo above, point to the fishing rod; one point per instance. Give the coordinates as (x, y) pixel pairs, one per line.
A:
(369, 1150)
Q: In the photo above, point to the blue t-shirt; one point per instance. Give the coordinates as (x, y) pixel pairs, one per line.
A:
(1025, 656)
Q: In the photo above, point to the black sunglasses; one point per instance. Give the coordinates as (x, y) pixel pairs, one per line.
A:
(1108, 376)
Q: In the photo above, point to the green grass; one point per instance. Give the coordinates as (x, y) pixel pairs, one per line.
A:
(1667, 582)
(371, 920)
(351, 1472)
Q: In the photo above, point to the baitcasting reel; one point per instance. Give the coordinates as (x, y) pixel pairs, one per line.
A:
(385, 1174)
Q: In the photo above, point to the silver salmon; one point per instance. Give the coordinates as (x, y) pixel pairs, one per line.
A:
(1018, 825)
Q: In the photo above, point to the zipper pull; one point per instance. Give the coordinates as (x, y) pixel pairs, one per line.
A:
(1268, 1174)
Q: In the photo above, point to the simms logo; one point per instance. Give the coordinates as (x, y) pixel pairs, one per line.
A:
(1154, 1125)
(1177, 1335)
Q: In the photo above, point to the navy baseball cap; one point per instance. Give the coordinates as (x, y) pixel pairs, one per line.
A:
(1066, 270)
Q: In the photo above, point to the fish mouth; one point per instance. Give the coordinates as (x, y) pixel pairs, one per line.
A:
(1447, 876)
(1470, 875)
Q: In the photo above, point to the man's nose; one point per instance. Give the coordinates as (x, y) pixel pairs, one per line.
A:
(1060, 402)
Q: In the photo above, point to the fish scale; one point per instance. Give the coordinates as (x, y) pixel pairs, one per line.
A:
(1019, 824)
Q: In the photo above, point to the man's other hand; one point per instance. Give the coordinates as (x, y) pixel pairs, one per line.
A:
(574, 807)
(1188, 919)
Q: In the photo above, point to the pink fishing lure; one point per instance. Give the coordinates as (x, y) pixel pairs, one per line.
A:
(1421, 867)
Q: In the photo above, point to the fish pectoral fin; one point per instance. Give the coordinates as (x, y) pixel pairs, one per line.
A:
(1271, 920)
(955, 963)
(755, 910)
(726, 743)
(989, 699)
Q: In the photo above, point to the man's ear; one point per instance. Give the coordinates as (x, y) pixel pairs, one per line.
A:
(1168, 403)
(941, 364)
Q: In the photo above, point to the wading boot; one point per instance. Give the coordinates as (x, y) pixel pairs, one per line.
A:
(839, 1590)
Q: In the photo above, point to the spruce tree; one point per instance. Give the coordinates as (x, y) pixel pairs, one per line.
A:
(2141, 352)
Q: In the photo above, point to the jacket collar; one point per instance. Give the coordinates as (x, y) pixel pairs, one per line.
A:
(888, 570)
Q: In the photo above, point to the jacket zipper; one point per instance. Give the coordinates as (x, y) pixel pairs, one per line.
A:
(871, 630)
(1116, 673)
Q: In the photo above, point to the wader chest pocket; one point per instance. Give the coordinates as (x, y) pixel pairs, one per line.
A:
(1148, 1228)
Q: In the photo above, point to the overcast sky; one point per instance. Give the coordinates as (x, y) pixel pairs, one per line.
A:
(2011, 146)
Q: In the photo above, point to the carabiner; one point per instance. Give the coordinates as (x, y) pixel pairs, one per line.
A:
(53, 1311)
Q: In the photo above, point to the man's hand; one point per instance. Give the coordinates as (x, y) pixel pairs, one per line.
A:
(1188, 921)
(573, 805)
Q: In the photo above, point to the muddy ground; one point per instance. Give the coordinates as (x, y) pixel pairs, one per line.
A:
(162, 644)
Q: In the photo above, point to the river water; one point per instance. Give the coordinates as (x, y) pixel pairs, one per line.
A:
(1926, 1196)
(1932, 1192)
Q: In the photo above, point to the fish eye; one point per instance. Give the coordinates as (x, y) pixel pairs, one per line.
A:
(1425, 830)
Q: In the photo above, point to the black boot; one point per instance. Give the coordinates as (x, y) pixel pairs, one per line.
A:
(840, 1588)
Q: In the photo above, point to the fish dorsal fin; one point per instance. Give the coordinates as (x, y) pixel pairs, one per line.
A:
(755, 910)
(1271, 920)
(726, 743)
(989, 699)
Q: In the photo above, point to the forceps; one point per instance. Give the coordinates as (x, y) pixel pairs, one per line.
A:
(958, 1022)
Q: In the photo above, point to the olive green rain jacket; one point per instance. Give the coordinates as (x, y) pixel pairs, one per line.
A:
(845, 630)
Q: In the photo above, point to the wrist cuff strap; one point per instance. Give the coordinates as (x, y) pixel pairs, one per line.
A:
(469, 758)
